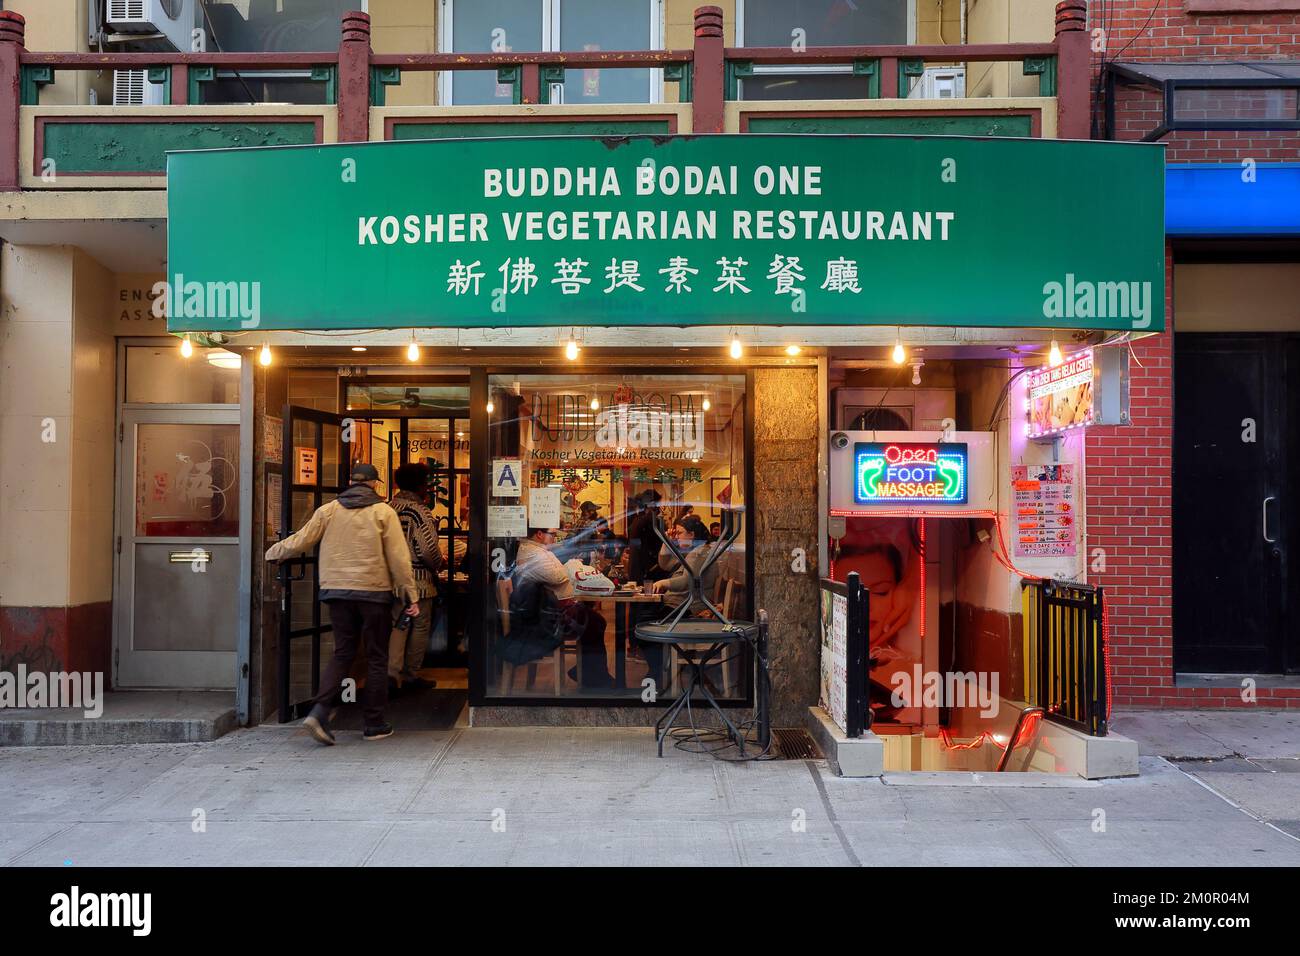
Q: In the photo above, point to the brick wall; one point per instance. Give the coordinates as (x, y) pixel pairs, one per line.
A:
(1160, 30)
(1129, 469)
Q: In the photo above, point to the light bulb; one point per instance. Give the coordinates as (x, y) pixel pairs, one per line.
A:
(792, 350)
(736, 350)
(1054, 354)
(707, 405)
(186, 349)
(900, 353)
(916, 374)
(413, 351)
(571, 350)
(491, 408)
(595, 404)
(264, 356)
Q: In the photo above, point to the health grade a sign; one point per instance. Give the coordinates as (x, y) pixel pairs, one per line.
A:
(640, 230)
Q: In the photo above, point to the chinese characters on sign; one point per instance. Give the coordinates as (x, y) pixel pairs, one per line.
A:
(667, 230)
(1044, 510)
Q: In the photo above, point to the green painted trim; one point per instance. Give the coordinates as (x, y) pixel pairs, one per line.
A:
(1043, 67)
(953, 123)
(680, 73)
(735, 71)
(329, 76)
(141, 148)
(545, 77)
(161, 75)
(33, 78)
(513, 75)
(870, 68)
(574, 126)
(906, 70)
(198, 76)
(382, 77)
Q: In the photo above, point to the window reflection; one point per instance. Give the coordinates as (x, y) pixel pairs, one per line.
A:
(579, 469)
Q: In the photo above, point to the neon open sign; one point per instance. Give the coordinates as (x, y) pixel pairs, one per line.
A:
(909, 473)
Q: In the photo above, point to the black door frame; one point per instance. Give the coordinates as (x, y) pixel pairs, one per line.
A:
(296, 569)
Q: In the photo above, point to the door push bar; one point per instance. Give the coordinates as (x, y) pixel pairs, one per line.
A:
(1264, 508)
(189, 557)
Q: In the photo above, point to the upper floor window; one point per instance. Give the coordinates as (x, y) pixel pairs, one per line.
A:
(270, 26)
(520, 26)
(814, 23)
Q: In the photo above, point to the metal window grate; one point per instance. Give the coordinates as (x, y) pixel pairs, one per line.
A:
(128, 87)
(793, 743)
(125, 9)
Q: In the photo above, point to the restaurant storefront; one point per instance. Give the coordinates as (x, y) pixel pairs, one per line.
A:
(578, 333)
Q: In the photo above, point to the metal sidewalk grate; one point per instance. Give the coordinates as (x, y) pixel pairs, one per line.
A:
(794, 743)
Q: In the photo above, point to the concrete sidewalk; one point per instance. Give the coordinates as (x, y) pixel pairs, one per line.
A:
(560, 796)
(1250, 758)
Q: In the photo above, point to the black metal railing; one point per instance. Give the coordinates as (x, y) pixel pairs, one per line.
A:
(1065, 653)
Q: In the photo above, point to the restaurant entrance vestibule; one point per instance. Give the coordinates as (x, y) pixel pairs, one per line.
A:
(387, 423)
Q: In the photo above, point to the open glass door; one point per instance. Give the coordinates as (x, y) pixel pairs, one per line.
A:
(313, 472)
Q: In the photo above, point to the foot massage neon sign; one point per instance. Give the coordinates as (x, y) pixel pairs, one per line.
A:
(908, 473)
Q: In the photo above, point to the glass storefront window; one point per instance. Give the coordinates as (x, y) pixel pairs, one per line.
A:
(816, 23)
(595, 459)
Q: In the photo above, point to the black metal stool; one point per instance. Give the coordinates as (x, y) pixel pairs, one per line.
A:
(699, 641)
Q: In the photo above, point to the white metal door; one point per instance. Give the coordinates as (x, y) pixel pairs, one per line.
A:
(177, 590)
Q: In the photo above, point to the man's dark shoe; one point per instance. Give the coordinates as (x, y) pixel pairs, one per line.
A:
(317, 724)
(379, 732)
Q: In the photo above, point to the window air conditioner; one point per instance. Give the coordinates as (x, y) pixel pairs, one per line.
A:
(174, 19)
(940, 83)
(132, 88)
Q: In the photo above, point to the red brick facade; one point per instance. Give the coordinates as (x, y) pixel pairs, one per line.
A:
(1161, 30)
(1129, 483)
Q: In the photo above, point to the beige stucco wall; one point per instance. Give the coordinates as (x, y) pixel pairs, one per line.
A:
(1237, 297)
(90, 482)
(1006, 21)
(56, 497)
(58, 25)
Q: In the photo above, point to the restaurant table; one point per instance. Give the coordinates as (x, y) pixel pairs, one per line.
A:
(622, 601)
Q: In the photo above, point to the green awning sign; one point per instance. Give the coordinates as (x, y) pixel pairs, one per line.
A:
(677, 230)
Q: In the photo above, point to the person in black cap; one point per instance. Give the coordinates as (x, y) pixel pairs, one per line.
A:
(363, 562)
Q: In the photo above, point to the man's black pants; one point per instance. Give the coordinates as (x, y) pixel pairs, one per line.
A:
(352, 621)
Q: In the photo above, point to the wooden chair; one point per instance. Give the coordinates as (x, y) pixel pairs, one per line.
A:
(505, 587)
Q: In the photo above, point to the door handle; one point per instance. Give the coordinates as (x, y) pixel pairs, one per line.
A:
(190, 556)
(1265, 519)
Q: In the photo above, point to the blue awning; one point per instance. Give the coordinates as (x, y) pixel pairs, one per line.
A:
(1209, 199)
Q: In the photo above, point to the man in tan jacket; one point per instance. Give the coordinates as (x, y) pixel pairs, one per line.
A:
(364, 565)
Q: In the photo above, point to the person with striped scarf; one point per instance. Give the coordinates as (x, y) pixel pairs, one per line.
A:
(407, 646)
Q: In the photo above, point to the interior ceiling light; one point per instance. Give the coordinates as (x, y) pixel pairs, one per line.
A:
(220, 358)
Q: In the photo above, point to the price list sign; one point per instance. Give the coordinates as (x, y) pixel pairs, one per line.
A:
(1045, 512)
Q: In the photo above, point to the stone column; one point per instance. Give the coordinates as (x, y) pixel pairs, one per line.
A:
(786, 442)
